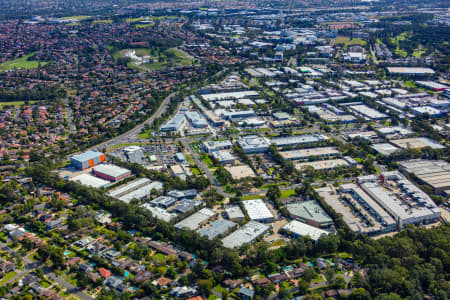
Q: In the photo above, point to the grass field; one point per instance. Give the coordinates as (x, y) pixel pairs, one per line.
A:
(251, 197)
(170, 57)
(8, 276)
(135, 20)
(410, 84)
(15, 103)
(166, 59)
(21, 63)
(278, 243)
(287, 193)
(206, 160)
(79, 18)
(102, 22)
(401, 37)
(349, 42)
(419, 52)
(145, 25)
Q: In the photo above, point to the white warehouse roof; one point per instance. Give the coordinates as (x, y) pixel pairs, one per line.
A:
(302, 229)
(257, 210)
(246, 234)
(91, 181)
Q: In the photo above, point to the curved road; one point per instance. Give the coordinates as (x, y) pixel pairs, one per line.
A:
(132, 133)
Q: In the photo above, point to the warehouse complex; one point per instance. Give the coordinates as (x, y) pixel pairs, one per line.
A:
(235, 213)
(90, 181)
(194, 221)
(297, 229)
(310, 212)
(224, 157)
(217, 228)
(416, 143)
(87, 159)
(174, 124)
(299, 139)
(327, 164)
(212, 146)
(246, 234)
(405, 202)
(257, 210)
(254, 144)
(138, 189)
(321, 152)
(418, 71)
(111, 172)
(434, 173)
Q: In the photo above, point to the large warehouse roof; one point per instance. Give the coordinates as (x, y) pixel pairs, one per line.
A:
(410, 70)
(309, 210)
(246, 234)
(124, 189)
(111, 170)
(299, 139)
(193, 221)
(87, 155)
(142, 192)
(257, 209)
(305, 153)
(91, 181)
(302, 229)
(217, 228)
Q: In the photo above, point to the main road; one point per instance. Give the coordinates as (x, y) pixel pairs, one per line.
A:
(133, 133)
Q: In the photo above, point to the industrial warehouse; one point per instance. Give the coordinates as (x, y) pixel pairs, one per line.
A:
(434, 173)
(257, 210)
(87, 159)
(320, 152)
(246, 234)
(297, 229)
(111, 172)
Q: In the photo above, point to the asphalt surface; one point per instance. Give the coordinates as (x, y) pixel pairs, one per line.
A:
(204, 168)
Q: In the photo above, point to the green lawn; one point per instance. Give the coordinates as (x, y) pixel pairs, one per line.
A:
(144, 135)
(15, 103)
(21, 63)
(169, 58)
(190, 160)
(134, 20)
(165, 59)
(278, 243)
(401, 37)
(410, 84)
(45, 283)
(196, 171)
(206, 160)
(102, 21)
(419, 52)
(251, 197)
(280, 184)
(349, 42)
(79, 18)
(287, 193)
(145, 25)
(8, 276)
(219, 288)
